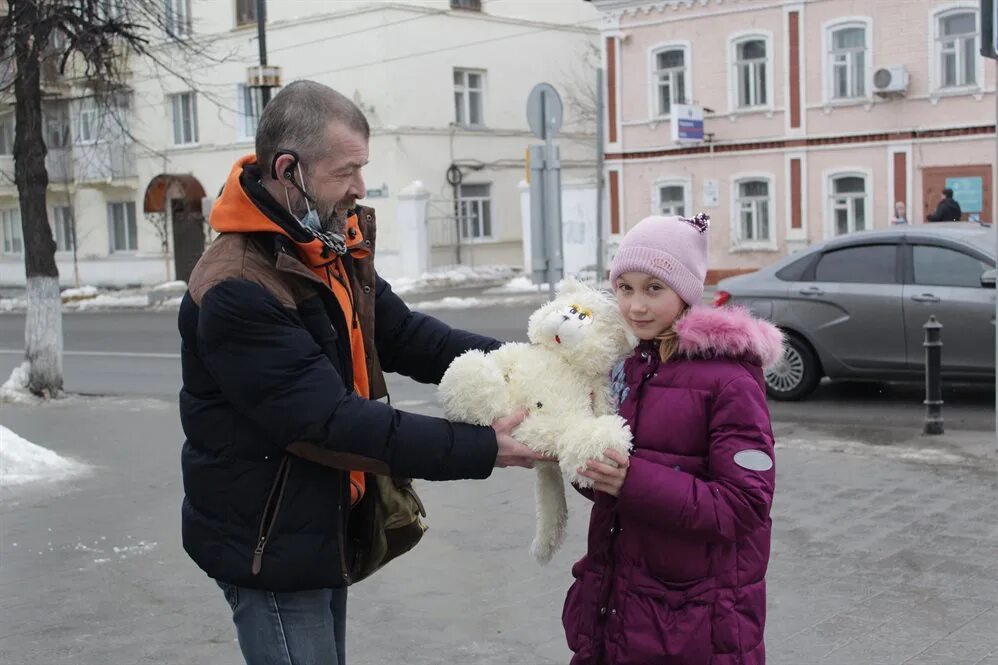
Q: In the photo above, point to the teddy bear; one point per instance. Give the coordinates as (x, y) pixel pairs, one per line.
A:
(562, 379)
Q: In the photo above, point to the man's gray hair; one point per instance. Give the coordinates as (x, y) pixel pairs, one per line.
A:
(297, 119)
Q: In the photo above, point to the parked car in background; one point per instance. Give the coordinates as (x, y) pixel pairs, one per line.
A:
(853, 307)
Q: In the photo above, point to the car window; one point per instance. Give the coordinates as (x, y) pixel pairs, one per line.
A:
(864, 264)
(795, 271)
(941, 266)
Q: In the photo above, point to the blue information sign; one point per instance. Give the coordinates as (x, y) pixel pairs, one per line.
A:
(968, 192)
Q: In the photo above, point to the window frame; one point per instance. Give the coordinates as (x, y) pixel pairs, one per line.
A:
(465, 90)
(237, 15)
(11, 230)
(4, 125)
(60, 221)
(656, 194)
(244, 95)
(131, 224)
(738, 243)
(174, 100)
(829, 179)
(486, 207)
(936, 17)
(177, 24)
(654, 77)
(734, 71)
(828, 66)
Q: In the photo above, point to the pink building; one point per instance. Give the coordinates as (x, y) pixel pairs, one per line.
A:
(820, 116)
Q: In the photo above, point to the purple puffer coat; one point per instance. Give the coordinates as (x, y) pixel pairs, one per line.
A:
(676, 566)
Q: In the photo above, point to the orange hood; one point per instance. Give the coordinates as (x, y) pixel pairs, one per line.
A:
(235, 212)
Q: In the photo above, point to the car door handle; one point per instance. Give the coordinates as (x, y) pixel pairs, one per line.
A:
(925, 297)
(812, 291)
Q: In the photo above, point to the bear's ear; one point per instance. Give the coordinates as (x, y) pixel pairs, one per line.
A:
(570, 285)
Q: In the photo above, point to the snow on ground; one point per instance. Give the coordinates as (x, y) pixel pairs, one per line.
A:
(15, 388)
(178, 285)
(453, 277)
(80, 293)
(23, 462)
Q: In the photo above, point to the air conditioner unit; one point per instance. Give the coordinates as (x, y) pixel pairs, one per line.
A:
(891, 81)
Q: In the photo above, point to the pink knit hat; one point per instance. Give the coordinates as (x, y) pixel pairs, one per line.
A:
(674, 249)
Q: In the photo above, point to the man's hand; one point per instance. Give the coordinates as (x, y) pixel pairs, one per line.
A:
(606, 478)
(511, 451)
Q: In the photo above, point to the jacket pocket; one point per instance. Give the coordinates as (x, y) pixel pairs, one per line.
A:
(579, 614)
(663, 625)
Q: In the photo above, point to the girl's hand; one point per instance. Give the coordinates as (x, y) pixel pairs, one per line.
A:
(606, 478)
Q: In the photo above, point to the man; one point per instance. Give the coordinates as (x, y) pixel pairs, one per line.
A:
(286, 330)
(948, 209)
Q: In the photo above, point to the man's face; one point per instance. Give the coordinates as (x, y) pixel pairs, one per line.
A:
(335, 182)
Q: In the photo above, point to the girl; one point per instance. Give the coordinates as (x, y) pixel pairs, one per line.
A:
(679, 533)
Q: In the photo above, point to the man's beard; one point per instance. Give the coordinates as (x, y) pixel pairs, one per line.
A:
(333, 220)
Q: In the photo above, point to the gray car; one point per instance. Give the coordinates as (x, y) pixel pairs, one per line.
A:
(853, 307)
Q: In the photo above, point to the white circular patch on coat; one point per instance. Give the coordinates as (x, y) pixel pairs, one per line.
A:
(753, 460)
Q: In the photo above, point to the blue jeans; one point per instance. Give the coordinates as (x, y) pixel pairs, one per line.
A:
(291, 628)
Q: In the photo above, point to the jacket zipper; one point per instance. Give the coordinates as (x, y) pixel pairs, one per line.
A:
(267, 526)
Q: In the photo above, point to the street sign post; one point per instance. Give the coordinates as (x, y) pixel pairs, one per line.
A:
(989, 49)
(544, 116)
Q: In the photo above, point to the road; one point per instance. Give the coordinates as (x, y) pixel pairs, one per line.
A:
(137, 354)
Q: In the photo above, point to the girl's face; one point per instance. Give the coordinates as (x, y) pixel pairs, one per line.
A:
(649, 306)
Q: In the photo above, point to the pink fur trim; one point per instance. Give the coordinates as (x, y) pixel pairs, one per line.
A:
(729, 332)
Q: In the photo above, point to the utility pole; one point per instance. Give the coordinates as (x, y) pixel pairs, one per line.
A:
(261, 31)
(263, 76)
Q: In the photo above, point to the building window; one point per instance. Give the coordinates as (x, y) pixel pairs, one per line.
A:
(956, 45)
(10, 228)
(848, 62)
(849, 204)
(753, 208)
(62, 220)
(669, 79)
(7, 133)
(471, 5)
(672, 199)
(177, 18)
(184, 110)
(468, 92)
(112, 9)
(55, 126)
(250, 106)
(751, 71)
(86, 121)
(245, 12)
(475, 207)
(121, 223)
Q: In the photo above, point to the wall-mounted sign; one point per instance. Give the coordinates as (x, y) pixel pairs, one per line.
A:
(711, 193)
(687, 123)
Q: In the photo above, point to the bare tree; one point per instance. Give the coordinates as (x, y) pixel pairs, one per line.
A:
(580, 88)
(89, 43)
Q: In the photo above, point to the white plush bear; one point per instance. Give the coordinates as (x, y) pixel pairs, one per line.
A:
(562, 377)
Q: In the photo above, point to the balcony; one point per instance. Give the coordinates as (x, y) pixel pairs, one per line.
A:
(104, 161)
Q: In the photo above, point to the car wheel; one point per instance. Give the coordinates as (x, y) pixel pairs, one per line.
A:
(794, 375)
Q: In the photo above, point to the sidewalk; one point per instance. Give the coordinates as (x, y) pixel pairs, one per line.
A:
(877, 558)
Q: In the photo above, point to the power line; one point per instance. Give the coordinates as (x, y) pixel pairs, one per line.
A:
(358, 32)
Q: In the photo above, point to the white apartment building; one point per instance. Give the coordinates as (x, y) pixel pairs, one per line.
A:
(442, 82)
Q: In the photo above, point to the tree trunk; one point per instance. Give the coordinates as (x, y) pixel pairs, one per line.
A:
(43, 326)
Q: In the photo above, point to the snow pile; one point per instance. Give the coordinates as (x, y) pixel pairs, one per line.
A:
(13, 304)
(23, 462)
(454, 277)
(178, 285)
(15, 389)
(521, 284)
(82, 293)
(108, 301)
(472, 303)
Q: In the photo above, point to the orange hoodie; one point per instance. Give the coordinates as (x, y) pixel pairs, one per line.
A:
(235, 212)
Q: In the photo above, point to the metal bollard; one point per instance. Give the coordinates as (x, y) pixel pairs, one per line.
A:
(933, 383)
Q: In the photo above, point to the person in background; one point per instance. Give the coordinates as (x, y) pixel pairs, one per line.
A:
(948, 209)
(900, 213)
